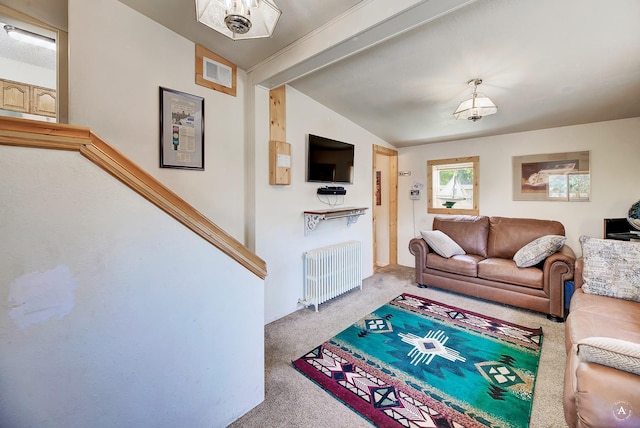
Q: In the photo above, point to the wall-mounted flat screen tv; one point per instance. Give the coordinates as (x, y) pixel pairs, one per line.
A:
(329, 161)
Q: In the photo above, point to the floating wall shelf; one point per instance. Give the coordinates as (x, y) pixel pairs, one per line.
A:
(312, 218)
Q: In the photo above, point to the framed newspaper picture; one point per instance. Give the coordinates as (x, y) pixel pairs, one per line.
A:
(181, 130)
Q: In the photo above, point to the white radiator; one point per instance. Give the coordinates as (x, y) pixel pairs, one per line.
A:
(331, 271)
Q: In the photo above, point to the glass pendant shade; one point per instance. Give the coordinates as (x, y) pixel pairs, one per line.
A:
(239, 19)
(477, 106)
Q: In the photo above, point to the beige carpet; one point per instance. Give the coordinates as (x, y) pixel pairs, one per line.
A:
(292, 400)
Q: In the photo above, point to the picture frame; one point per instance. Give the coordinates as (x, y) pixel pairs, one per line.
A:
(181, 130)
(552, 177)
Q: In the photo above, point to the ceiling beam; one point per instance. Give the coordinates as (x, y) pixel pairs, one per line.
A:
(365, 25)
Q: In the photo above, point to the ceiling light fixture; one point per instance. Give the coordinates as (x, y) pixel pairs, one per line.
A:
(239, 19)
(477, 106)
(30, 37)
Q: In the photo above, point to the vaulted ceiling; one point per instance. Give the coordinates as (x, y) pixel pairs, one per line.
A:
(399, 68)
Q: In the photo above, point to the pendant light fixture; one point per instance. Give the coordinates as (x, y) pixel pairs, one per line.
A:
(239, 19)
(477, 106)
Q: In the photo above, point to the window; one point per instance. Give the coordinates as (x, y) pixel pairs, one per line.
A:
(453, 186)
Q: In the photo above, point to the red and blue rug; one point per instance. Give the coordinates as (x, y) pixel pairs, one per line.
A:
(419, 363)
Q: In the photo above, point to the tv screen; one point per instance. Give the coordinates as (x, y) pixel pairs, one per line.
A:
(329, 161)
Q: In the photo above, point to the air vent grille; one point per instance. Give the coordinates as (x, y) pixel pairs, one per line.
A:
(217, 72)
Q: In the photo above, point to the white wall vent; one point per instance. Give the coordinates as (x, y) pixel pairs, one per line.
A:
(217, 72)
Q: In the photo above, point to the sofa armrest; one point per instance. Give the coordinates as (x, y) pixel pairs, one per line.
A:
(615, 353)
(567, 252)
(557, 269)
(566, 257)
(599, 396)
(419, 248)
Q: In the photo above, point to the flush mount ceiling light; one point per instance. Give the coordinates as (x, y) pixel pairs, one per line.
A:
(239, 19)
(477, 106)
(30, 37)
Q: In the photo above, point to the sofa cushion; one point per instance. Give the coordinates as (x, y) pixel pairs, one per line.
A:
(615, 353)
(611, 268)
(466, 264)
(505, 270)
(441, 243)
(508, 235)
(470, 232)
(538, 250)
(593, 315)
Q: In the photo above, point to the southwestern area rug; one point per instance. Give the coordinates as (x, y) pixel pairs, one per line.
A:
(418, 363)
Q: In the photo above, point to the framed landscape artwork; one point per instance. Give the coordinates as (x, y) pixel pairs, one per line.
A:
(552, 177)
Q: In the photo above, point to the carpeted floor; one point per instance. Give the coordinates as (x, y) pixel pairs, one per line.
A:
(293, 401)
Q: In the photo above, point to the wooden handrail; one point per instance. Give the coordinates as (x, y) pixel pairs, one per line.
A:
(47, 135)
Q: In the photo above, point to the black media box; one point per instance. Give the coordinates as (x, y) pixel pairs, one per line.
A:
(328, 190)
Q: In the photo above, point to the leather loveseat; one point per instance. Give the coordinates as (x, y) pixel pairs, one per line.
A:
(486, 268)
(602, 337)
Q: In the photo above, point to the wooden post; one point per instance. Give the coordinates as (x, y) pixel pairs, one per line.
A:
(279, 150)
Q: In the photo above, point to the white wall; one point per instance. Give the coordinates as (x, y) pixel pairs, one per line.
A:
(118, 60)
(126, 289)
(27, 73)
(280, 237)
(615, 151)
(112, 313)
(155, 327)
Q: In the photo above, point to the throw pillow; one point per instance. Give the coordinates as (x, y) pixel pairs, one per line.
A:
(442, 244)
(619, 354)
(538, 250)
(611, 268)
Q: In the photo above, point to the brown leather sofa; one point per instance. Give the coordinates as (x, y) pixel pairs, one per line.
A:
(595, 393)
(488, 271)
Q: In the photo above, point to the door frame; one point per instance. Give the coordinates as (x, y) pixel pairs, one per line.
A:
(392, 159)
